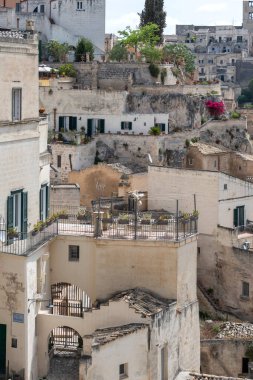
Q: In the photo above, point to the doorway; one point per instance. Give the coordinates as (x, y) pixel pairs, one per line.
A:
(2, 349)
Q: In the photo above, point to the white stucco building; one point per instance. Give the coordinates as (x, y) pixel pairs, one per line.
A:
(64, 21)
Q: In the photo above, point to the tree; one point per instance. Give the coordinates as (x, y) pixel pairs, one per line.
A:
(145, 37)
(57, 50)
(118, 53)
(154, 13)
(152, 54)
(181, 57)
(83, 48)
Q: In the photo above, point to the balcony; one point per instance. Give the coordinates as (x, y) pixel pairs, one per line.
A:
(127, 226)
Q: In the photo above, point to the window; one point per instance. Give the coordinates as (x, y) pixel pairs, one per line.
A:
(94, 126)
(162, 126)
(245, 289)
(73, 252)
(67, 123)
(245, 365)
(123, 371)
(215, 164)
(221, 62)
(190, 161)
(239, 39)
(17, 211)
(16, 104)
(58, 161)
(250, 3)
(164, 363)
(14, 343)
(225, 186)
(126, 125)
(251, 15)
(198, 250)
(42, 8)
(79, 6)
(44, 202)
(239, 217)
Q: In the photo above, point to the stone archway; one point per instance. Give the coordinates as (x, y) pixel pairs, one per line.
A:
(64, 349)
(69, 300)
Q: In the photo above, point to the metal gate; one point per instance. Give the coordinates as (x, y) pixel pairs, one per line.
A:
(69, 300)
(64, 338)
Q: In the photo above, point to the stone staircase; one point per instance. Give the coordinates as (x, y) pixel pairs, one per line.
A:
(64, 366)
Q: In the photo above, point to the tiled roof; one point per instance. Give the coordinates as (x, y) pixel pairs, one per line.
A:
(107, 335)
(143, 302)
(209, 149)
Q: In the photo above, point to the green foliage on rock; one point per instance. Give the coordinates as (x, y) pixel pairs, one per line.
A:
(142, 38)
(118, 53)
(68, 70)
(181, 57)
(154, 131)
(83, 48)
(154, 70)
(57, 50)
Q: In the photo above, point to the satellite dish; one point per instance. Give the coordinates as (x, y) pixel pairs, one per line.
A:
(150, 159)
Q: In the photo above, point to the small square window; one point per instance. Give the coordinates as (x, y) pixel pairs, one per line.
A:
(225, 186)
(73, 252)
(245, 289)
(14, 343)
(123, 371)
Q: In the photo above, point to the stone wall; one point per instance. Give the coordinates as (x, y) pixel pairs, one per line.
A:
(73, 157)
(223, 357)
(64, 196)
(244, 72)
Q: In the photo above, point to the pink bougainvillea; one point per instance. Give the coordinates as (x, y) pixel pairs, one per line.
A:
(215, 109)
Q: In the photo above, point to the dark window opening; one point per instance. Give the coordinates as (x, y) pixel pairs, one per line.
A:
(73, 252)
(14, 343)
(245, 289)
(58, 161)
(245, 365)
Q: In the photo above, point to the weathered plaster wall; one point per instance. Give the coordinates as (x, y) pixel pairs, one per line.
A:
(118, 352)
(12, 296)
(223, 357)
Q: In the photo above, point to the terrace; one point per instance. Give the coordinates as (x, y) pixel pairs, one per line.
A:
(151, 226)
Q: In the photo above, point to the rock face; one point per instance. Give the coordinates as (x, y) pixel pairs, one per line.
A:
(232, 330)
(184, 111)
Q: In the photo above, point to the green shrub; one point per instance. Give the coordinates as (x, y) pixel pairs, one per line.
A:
(235, 115)
(154, 131)
(68, 70)
(154, 70)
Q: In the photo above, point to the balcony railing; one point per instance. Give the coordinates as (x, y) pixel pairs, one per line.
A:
(127, 226)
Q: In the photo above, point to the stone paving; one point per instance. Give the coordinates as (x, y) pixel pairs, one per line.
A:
(64, 366)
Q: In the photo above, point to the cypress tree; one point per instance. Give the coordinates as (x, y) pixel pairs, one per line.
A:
(153, 12)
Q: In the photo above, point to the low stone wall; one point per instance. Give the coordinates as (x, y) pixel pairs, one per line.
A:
(199, 90)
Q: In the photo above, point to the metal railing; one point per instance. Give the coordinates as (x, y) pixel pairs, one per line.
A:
(131, 226)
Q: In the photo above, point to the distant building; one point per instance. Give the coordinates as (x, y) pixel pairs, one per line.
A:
(64, 21)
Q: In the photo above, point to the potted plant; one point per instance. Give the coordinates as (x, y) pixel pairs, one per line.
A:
(63, 214)
(146, 219)
(39, 226)
(12, 233)
(81, 214)
(123, 219)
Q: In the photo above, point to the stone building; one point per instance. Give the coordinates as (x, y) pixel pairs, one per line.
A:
(65, 21)
(24, 183)
(225, 242)
(217, 48)
(202, 156)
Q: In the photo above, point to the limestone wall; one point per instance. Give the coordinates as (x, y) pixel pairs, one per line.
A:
(223, 357)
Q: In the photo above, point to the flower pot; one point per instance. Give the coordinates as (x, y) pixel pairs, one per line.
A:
(123, 221)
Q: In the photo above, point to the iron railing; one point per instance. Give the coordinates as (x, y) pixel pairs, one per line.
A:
(131, 226)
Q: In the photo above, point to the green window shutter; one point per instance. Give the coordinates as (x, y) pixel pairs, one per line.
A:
(130, 126)
(61, 122)
(236, 217)
(10, 210)
(24, 219)
(47, 201)
(102, 126)
(89, 129)
(122, 125)
(41, 204)
(72, 123)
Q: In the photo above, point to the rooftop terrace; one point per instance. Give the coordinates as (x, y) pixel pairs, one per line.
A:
(128, 226)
